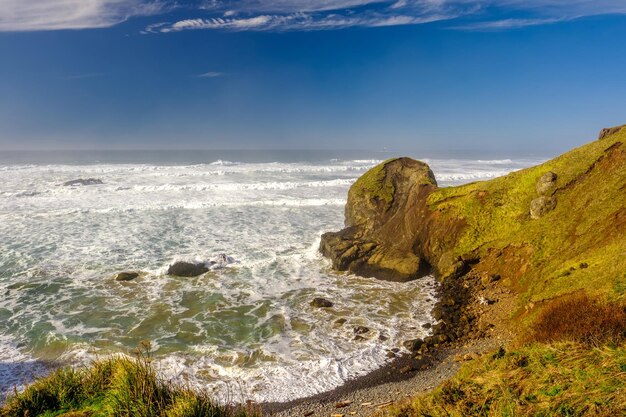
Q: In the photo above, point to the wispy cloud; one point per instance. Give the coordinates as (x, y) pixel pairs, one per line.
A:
(284, 15)
(34, 15)
(210, 74)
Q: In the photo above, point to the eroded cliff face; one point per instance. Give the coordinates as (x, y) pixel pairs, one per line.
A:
(545, 231)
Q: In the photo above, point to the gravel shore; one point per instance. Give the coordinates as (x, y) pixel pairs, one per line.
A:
(397, 381)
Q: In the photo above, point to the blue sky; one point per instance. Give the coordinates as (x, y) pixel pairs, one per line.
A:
(534, 76)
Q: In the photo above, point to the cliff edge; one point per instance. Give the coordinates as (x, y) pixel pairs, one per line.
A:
(539, 233)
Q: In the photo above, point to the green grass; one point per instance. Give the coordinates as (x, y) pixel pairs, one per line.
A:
(587, 226)
(559, 379)
(119, 386)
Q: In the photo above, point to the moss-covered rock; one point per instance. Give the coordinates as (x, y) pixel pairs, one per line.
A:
(377, 241)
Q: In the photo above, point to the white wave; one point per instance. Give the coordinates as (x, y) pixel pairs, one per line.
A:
(248, 324)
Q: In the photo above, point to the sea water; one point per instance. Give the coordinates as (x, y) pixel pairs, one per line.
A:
(245, 331)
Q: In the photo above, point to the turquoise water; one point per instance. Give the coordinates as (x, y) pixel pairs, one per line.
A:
(242, 325)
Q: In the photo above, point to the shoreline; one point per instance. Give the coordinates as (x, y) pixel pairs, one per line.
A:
(397, 381)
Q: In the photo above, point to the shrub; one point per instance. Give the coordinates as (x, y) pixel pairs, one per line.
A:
(580, 319)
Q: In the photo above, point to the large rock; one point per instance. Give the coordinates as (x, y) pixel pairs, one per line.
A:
(608, 131)
(187, 269)
(541, 205)
(82, 181)
(381, 216)
(546, 184)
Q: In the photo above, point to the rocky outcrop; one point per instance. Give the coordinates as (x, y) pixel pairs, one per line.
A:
(608, 131)
(382, 219)
(82, 181)
(510, 242)
(187, 269)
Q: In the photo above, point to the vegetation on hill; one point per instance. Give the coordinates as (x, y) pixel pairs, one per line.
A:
(119, 386)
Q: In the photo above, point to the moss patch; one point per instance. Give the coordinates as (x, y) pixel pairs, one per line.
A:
(375, 184)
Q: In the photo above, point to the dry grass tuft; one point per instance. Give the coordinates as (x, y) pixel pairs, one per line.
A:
(580, 319)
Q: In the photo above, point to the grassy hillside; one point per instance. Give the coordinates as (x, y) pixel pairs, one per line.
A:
(577, 246)
(559, 379)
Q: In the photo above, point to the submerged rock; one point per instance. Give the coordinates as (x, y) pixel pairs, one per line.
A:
(187, 269)
(126, 276)
(320, 302)
(361, 330)
(82, 181)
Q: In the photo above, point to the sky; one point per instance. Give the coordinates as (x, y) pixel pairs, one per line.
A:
(531, 76)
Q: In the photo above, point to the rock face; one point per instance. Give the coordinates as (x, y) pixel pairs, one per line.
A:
(382, 215)
(82, 181)
(187, 269)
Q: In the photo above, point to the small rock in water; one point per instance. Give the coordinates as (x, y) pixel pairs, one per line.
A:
(187, 269)
(320, 302)
(341, 321)
(413, 345)
(361, 330)
(390, 354)
(427, 325)
(82, 181)
(221, 261)
(126, 276)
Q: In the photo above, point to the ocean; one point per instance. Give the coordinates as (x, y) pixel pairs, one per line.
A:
(246, 330)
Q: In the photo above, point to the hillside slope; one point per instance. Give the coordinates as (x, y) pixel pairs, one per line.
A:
(542, 232)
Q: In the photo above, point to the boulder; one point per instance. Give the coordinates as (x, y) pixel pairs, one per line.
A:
(126, 276)
(320, 302)
(608, 131)
(413, 345)
(187, 269)
(82, 181)
(546, 184)
(376, 241)
(541, 206)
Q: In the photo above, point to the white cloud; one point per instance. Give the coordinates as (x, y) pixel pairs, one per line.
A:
(33, 15)
(283, 15)
(210, 74)
(505, 24)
